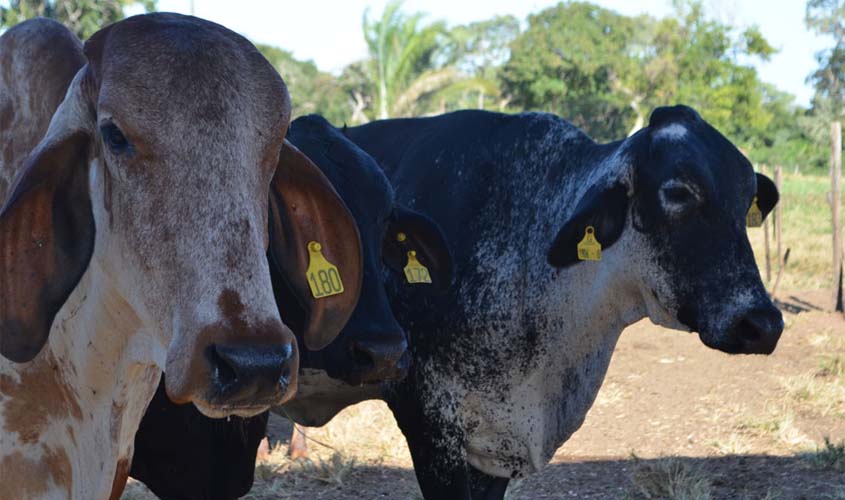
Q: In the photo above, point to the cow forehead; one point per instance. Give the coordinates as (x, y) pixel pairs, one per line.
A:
(166, 65)
(699, 153)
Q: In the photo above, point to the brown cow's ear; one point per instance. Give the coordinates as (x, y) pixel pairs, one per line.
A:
(47, 227)
(308, 220)
(46, 240)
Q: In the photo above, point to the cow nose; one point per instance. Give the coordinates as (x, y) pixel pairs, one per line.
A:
(248, 375)
(759, 330)
(380, 361)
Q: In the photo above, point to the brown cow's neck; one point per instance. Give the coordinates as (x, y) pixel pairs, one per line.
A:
(86, 392)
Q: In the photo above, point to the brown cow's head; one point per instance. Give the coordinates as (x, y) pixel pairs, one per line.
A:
(157, 168)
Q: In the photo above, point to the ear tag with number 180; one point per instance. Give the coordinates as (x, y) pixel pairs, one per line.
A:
(754, 217)
(323, 276)
(589, 248)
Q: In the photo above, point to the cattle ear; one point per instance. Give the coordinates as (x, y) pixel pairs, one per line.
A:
(411, 231)
(305, 208)
(46, 232)
(603, 208)
(767, 194)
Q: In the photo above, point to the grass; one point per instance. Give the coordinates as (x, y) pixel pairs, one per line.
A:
(807, 231)
(733, 444)
(823, 391)
(832, 366)
(667, 478)
(830, 456)
(332, 471)
(778, 423)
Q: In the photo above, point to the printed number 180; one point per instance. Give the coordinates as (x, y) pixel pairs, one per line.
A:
(325, 282)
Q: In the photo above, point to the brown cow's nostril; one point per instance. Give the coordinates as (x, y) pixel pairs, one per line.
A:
(223, 372)
(247, 374)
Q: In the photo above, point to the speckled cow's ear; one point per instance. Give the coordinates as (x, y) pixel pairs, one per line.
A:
(767, 194)
(605, 208)
(410, 231)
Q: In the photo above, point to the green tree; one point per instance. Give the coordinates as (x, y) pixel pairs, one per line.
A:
(478, 50)
(827, 17)
(695, 60)
(405, 60)
(83, 17)
(606, 72)
(311, 90)
(567, 62)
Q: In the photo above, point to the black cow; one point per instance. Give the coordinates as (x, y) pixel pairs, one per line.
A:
(180, 454)
(506, 369)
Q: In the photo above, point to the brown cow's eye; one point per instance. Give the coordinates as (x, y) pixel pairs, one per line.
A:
(114, 138)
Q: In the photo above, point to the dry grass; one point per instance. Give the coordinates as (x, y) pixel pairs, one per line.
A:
(778, 423)
(824, 395)
(829, 456)
(733, 444)
(667, 478)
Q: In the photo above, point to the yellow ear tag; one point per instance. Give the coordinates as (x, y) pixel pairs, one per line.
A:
(589, 248)
(754, 217)
(416, 272)
(323, 276)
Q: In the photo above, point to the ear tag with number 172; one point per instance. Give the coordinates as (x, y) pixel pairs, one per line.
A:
(589, 248)
(323, 276)
(415, 272)
(754, 217)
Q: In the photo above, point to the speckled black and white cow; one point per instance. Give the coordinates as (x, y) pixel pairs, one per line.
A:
(508, 367)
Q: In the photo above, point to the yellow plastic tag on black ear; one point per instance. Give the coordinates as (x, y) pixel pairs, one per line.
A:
(415, 272)
(589, 248)
(323, 276)
(754, 217)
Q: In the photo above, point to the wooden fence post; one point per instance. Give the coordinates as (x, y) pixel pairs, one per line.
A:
(766, 240)
(779, 217)
(836, 203)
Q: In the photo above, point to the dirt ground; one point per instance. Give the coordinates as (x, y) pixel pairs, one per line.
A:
(744, 427)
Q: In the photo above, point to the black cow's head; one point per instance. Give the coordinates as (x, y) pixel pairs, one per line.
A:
(686, 197)
(372, 346)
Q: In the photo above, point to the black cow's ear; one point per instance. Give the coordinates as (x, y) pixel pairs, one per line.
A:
(767, 194)
(603, 208)
(410, 231)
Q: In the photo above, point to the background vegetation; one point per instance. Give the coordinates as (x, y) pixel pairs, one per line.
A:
(599, 69)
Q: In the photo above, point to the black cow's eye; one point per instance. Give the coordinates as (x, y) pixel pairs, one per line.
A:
(114, 138)
(679, 195)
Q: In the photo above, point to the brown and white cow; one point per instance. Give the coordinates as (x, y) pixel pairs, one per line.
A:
(38, 60)
(133, 240)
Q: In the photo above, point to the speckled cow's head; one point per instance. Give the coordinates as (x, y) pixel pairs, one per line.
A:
(157, 166)
(685, 195)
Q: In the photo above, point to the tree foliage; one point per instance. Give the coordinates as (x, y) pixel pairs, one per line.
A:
(83, 17)
(311, 90)
(567, 62)
(405, 61)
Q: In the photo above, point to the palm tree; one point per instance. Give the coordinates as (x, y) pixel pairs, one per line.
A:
(405, 61)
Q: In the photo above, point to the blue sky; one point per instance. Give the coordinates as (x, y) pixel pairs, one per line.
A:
(329, 32)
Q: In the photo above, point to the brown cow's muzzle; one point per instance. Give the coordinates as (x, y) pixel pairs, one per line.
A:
(236, 370)
(247, 375)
